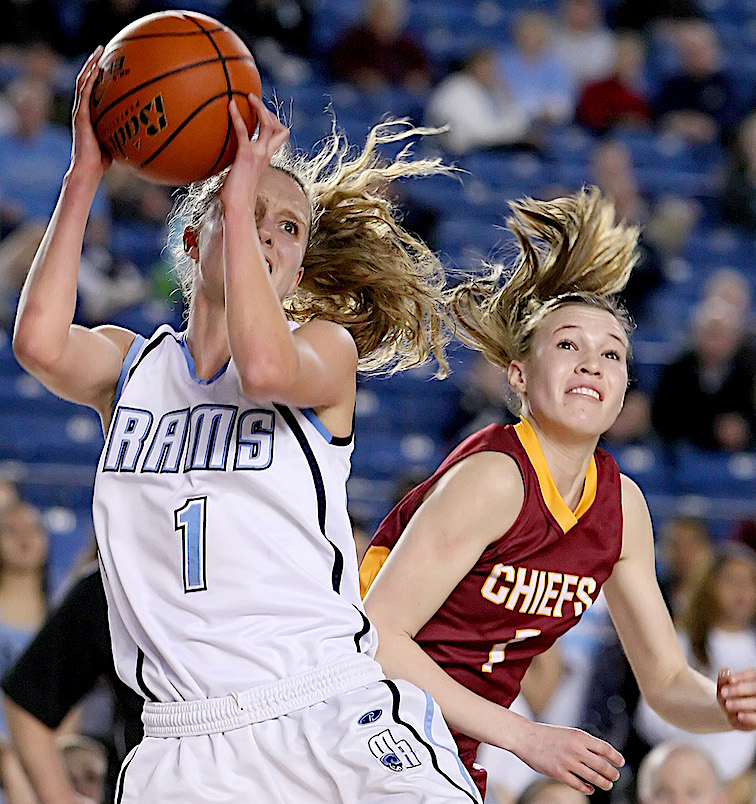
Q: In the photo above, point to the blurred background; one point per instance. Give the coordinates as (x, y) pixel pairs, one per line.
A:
(654, 103)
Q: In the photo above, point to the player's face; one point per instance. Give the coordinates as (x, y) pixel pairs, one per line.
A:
(282, 216)
(23, 541)
(573, 382)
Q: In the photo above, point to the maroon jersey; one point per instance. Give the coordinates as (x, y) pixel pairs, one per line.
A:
(529, 586)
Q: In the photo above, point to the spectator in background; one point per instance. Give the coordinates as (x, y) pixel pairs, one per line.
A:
(64, 661)
(549, 791)
(613, 172)
(716, 629)
(706, 396)
(477, 107)
(135, 200)
(539, 79)
(86, 762)
(697, 103)
(739, 192)
(732, 287)
(685, 550)
(483, 399)
(277, 32)
(34, 156)
(676, 772)
(617, 100)
(380, 53)
(23, 603)
(583, 42)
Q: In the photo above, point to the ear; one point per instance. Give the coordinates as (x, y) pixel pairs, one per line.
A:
(295, 282)
(191, 244)
(516, 377)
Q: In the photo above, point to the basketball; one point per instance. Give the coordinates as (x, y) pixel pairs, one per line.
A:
(160, 99)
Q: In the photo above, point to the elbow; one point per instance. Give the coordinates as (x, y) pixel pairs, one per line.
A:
(30, 348)
(267, 379)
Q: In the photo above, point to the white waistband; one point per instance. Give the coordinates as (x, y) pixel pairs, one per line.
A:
(268, 701)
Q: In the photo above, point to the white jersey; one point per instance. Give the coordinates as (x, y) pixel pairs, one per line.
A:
(227, 553)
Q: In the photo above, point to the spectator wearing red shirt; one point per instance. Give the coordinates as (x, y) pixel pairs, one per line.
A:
(379, 53)
(617, 100)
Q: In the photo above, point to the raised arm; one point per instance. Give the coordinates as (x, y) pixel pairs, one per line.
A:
(314, 366)
(677, 692)
(74, 362)
(471, 506)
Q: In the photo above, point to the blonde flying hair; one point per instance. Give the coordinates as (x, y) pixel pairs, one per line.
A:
(362, 268)
(570, 250)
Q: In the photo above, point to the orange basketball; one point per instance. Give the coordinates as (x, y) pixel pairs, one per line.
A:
(160, 100)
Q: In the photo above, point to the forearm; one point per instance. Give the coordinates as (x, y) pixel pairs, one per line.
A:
(259, 336)
(35, 746)
(464, 711)
(48, 299)
(688, 700)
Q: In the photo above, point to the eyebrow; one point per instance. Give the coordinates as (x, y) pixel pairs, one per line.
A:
(575, 326)
(289, 212)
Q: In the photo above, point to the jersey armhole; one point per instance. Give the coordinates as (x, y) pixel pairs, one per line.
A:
(134, 349)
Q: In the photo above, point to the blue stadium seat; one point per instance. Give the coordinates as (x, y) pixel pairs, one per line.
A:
(717, 474)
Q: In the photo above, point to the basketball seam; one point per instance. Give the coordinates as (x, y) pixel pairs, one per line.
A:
(168, 34)
(160, 77)
(229, 92)
(183, 125)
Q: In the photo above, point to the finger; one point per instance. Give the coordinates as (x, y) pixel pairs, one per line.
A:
(90, 66)
(745, 721)
(240, 127)
(578, 784)
(598, 779)
(608, 751)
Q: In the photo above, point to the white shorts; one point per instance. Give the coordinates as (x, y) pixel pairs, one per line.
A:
(384, 739)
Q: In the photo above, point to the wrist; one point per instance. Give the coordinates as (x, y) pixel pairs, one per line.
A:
(83, 179)
(513, 730)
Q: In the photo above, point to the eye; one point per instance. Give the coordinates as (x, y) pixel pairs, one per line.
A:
(291, 227)
(565, 344)
(612, 355)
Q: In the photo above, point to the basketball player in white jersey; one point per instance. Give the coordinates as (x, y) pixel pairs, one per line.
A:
(226, 550)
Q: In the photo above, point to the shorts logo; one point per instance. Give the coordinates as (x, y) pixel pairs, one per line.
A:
(370, 717)
(396, 755)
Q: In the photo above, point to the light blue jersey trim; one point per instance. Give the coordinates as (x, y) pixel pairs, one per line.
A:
(190, 363)
(311, 417)
(430, 708)
(136, 345)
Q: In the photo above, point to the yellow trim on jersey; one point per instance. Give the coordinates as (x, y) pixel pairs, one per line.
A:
(375, 557)
(564, 515)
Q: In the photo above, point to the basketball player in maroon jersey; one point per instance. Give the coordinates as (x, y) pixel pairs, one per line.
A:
(505, 546)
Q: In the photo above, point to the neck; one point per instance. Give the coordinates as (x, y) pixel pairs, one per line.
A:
(207, 338)
(567, 459)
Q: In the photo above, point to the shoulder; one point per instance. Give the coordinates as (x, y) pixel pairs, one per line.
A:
(120, 337)
(636, 520)
(488, 484)
(319, 330)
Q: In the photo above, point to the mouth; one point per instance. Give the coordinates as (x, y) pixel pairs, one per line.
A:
(584, 390)
(270, 267)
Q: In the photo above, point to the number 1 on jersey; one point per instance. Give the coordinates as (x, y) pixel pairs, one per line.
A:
(190, 520)
(496, 654)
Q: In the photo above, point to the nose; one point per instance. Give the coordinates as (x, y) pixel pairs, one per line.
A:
(591, 364)
(265, 230)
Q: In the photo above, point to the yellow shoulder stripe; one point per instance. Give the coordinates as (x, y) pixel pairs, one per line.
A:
(375, 557)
